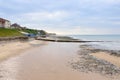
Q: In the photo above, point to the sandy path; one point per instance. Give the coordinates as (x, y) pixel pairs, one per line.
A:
(48, 62)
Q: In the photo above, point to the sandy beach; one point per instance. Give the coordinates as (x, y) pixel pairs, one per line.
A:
(50, 61)
(106, 56)
(59, 39)
(12, 48)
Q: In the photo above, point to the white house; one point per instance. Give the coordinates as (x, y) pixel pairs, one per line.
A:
(4, 23)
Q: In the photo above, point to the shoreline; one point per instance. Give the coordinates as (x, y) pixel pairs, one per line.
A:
(51, 62)
(65, 39)
(55, 55)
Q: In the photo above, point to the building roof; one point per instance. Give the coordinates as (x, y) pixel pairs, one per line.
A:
(3, 20)
(15, 25)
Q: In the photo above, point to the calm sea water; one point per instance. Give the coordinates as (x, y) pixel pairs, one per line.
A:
(114, 45)
(98, 37)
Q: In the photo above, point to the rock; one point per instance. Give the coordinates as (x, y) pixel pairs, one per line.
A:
(88, 63)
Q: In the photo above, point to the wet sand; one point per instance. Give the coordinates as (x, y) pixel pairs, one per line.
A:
(106, 56)
(12, 48)
(46, 62)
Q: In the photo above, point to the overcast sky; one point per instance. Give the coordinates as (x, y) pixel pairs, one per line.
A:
(65, 16)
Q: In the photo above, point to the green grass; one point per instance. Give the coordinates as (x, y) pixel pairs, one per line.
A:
(9, 32)
(30, 31)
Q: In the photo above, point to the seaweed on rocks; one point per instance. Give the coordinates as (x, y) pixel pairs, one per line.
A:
(88, 63)
(91, 49)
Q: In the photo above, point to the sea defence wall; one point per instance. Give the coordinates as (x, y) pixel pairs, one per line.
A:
(64, 40)
(13, 38)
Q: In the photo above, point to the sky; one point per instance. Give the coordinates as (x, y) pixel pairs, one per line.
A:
(68, 17)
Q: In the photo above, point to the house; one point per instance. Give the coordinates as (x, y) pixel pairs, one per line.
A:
(16, 26)
(4, 23)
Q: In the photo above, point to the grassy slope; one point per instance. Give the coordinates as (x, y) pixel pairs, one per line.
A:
(30, 31)
(9, 32)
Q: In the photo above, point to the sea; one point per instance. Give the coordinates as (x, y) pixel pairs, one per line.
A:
(112, 42)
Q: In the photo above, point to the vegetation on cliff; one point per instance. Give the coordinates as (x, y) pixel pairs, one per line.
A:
(30, 31)
(9, 32)
(5, 32)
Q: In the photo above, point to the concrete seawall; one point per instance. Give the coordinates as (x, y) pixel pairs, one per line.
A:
(60, 40)
(13, 38)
